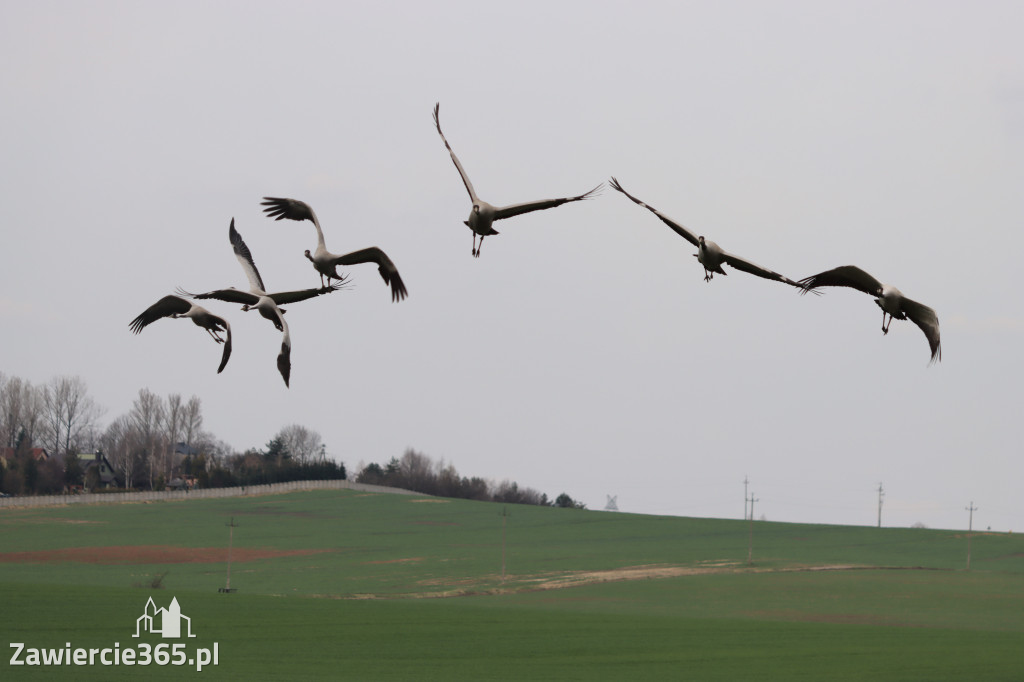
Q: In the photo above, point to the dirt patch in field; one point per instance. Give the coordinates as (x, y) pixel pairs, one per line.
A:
(443, 587)
(21, 520)
(150, 554)
(653, 571)
(465, 587)
(646, 572)
(556, 581)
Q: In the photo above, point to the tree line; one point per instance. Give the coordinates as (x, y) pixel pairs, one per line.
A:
(160, 442)
(55, 416)
(294, 454)
(418, 472)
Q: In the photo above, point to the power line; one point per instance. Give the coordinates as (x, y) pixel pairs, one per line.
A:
(881, 494)
(745, 481)
(231, 535)
(970, 526)
(504, 521)
(750, 544)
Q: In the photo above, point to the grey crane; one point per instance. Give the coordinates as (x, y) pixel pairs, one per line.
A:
(175, 307)
(325, 262)
(890, 299)
(710, 254)
(482, 215)
(250, 299)
(258, 299)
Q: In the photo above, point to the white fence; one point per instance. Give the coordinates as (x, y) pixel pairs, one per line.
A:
(195, 494)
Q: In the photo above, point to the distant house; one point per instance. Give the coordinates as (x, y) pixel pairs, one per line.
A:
(99, 461)
(38, 454)
(182, 452)
(185, 450)
(182, 483)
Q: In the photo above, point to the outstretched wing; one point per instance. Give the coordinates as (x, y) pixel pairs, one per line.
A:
(284, 358)
(677, 227)
(755, 269)
(925, 318)
(458, 166)
(245, 259)
(231, 295)
(279, 208)
(844, 276)
(165, 307)
(227, 343)
(385, 266)
(518, 209)
(285, 297)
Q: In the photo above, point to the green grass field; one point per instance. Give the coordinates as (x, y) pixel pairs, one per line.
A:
(410, 588)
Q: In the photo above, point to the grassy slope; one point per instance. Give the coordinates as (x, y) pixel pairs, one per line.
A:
(598, 632)
(385, 544)
(766, 622)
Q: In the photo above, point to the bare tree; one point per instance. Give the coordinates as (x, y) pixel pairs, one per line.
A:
(509, 491)
(81, 414)
(121, 445)
(192, 420)
(304, 445)
(88, 438)
(174, 415)
(416, 472)
(52, 417)
(135, 442)
(68, 412)
(147, 415)
(449, 484)
(214, 448)
(31, 413)
(20, 408)
(5, 418)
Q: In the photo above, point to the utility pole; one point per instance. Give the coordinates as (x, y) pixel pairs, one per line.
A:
(750, 543)
(231, 535)
(881, 494)
(504, 519)
(970, 525)
(745, 481)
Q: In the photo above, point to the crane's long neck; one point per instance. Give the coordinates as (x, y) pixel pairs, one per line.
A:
(319, 233)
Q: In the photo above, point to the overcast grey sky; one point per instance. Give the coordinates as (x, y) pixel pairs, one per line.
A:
(582, 351)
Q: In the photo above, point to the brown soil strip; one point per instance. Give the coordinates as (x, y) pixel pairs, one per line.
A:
(149, 554)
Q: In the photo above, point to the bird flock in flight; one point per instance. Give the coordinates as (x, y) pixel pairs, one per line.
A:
(481, 221)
